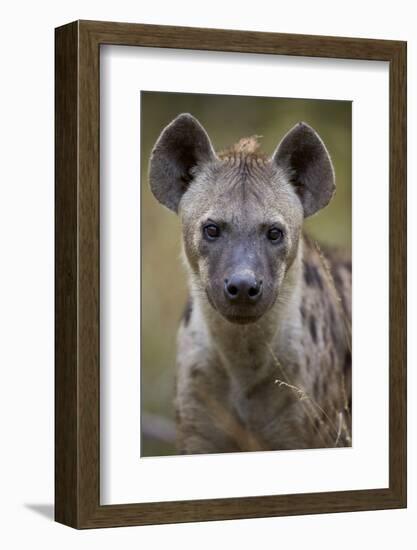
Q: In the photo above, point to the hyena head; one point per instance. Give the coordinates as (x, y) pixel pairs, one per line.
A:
(241, 212)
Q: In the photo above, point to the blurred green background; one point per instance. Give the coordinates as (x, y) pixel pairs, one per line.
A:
(226, 119)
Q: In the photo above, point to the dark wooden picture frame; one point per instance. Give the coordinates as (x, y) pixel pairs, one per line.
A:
(77, 372)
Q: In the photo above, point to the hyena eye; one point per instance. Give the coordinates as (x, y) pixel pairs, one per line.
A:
(211, 231)
(275, 234)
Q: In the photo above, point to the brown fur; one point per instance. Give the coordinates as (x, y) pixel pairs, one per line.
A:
(248, 147)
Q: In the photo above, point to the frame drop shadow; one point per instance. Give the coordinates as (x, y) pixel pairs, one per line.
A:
(45, 510)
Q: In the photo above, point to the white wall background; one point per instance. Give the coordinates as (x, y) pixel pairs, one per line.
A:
(26, 274)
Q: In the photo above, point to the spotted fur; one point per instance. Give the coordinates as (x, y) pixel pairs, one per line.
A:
(276, 374)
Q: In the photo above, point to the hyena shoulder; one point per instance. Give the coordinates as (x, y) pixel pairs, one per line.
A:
(326, 316)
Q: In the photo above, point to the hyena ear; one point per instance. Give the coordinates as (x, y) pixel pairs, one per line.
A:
(182, 145)
(304, 156)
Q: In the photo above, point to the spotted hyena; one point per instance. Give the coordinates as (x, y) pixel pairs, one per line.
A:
(264, 347)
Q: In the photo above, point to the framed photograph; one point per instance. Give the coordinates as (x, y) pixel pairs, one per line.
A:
(230, 274)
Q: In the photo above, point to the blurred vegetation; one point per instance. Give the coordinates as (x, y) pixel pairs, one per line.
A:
(226, 119)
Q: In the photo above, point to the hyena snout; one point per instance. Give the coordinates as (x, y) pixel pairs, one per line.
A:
(243, 288)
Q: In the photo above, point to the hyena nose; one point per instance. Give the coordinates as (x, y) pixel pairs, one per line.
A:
(243, 288)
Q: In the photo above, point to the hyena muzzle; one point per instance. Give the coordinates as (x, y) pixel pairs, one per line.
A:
(264, 347)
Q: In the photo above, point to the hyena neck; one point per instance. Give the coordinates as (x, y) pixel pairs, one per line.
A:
(250, 352)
